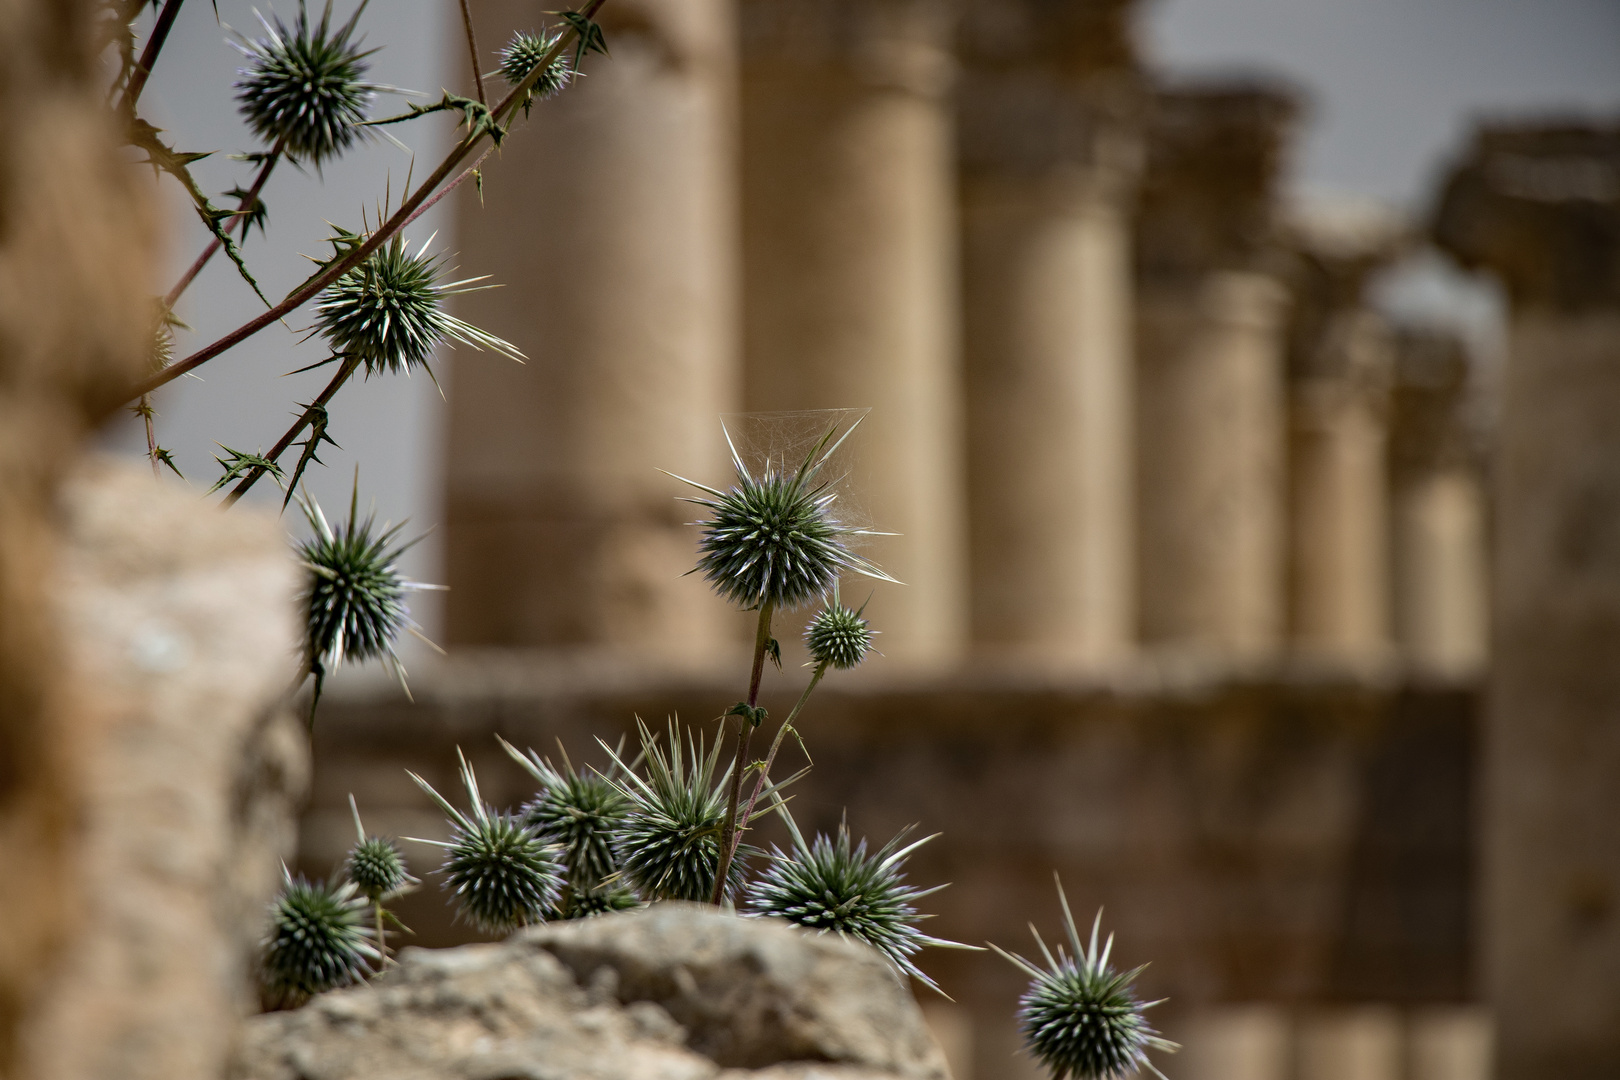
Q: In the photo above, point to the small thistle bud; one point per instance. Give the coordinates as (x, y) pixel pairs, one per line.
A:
(523, 53)
(503, 875)
(388, 312)
(1080, 1018)
(602, 900)
(578, 812)
(304, 86)
(355, 599)
(317, 941)
(773, 538)
(829, 885)
(669, 845)
(375, 864)
(837, 636)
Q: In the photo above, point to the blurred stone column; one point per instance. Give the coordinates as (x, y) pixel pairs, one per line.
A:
(1339, 373)
(609, 220)
(1051, 148)
(1439, 511)
(1211, 408)
(849, 278)
(1540, 206)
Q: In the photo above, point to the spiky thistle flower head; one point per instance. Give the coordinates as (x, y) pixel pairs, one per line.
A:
(773, 538)
(502, 874)
(577, 811)
(317, 941)
(837, 636)
(375, 864)
(1080, 1018)
(527, 51)
(355, 598)
(668, 846)
(304, 87)
(832, 884)
(388, 313)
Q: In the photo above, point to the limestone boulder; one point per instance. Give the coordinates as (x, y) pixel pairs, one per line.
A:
(674, 992)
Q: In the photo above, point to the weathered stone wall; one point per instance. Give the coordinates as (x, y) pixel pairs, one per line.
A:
(1293, 839)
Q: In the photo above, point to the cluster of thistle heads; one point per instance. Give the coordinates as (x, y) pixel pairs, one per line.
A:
(652, 827)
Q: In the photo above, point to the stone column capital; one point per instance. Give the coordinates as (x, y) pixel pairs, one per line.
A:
(895, 44)
(1214, 158)
(1539, 206)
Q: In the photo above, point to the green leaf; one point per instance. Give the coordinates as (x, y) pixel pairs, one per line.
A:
(475, 114)
(160, 156)
(754, 714)
(591, 38)
(238, 464)
(167, 458)
(317, 434)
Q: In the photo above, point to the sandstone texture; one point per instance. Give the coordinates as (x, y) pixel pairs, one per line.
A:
(180, 633)
(674, 992)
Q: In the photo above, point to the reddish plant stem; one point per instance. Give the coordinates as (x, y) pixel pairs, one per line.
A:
(728, 834)
(472, 47)
(407, 212)
(151, 435)
(149, 55)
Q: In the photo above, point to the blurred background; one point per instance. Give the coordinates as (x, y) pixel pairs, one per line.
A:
(1241, 377)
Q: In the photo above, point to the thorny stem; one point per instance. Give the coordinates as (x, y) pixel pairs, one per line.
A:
(151, 434)
(382, 936)
(293, 432)
(472, 47)
(728, 834)
(406, 213)
(243, 214)
(149, 55)
(770, 758)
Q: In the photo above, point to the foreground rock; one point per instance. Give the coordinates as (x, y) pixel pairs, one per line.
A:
(675, 992)
(180, 634)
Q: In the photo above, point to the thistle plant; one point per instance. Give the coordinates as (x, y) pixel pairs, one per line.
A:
(387, 314)
(833, 885)
(355, 600)
(317, 941)
(377, 868)
(668, 846)
(580, 813)
(772, 542)
(1080, 1018)
(303, 89)
(502, 874)
(527, 53)
(303, 92)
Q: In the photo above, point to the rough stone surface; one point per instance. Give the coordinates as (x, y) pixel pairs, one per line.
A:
(181, 641)
(676, 992)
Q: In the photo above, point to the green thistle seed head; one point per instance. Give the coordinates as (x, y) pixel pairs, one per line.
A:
(579, 814)
(837, 636)
(773, 538)
(375, 864)
(668, 846)
(387, 312)
(377, 868)
(304, 86)
(503, 875)
(1080, 1018)
(602, 900)
(832, 885)
(317, 941)
(523, 53)
(355, 598)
